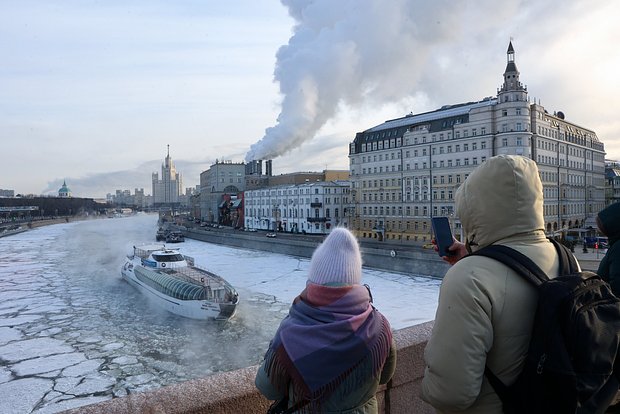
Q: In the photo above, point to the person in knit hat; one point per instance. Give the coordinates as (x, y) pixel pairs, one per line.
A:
(334, 348)
(337, 261)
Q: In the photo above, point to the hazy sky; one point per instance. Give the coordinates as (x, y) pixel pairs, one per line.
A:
(93, 91)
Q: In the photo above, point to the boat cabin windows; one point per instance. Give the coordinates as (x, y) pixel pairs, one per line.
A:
(168, 257)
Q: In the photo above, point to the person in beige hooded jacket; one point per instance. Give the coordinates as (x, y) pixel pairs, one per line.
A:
(486, 311)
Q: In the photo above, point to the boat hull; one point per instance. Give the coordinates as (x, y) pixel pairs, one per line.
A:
(193, 309)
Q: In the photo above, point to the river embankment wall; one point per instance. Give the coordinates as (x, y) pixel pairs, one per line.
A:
(386, 256)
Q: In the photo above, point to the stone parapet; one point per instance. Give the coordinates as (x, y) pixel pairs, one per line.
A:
(234, 392)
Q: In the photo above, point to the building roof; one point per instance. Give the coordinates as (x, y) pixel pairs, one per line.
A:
(441, 119)
(64, 188)
(445, 111)
(510, 48)
(612, 172)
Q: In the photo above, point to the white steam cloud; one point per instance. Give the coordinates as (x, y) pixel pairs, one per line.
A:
(347, 51)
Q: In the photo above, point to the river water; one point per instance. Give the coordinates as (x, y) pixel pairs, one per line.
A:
(73, 332)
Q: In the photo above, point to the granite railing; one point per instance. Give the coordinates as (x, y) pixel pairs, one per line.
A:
(234, 392)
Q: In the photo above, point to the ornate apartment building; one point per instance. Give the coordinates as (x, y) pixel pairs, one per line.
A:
(407, 170)
(612, 182)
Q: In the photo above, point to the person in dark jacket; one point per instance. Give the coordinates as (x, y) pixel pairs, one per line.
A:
(608, 221)
(332, 351)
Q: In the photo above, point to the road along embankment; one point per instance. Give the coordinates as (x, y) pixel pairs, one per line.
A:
(392, 257)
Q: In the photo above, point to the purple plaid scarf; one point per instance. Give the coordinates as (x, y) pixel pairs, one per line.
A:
(328, 333)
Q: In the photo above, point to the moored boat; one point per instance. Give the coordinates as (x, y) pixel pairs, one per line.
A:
(177, 285)
(161, 234)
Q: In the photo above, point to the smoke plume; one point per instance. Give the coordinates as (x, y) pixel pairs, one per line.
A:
(349, 52)
(344, 52)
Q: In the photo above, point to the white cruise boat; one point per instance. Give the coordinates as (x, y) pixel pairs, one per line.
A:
(178, 286)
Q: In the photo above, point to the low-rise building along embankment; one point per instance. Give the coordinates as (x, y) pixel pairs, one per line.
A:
(234, 391)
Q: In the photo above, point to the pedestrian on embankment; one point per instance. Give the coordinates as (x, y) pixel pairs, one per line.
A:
(608, 222)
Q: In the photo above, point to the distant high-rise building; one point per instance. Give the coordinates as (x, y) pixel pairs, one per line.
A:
(170, 187)
(125, 198)
(7, 193)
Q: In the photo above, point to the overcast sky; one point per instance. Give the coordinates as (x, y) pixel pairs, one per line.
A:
(93, 91)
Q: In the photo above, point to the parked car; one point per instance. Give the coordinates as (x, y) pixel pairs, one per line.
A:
(252, 230)
(271, 235)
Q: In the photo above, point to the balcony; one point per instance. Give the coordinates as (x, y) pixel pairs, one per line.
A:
(316, 205)
(317, 219)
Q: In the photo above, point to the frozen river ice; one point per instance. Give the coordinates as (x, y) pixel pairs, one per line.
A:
(73, 332)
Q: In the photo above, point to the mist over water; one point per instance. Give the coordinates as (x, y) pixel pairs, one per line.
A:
(73, 332)
(110, 307)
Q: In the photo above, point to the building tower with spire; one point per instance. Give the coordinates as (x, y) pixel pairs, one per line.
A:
(512, 89)
(64, 191)
(170, 187)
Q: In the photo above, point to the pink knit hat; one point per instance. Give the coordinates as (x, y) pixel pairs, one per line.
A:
(337, 261)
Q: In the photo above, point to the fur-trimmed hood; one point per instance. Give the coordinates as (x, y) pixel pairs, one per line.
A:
(502, 197)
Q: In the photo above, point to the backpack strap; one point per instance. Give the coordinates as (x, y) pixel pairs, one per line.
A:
(525, 266)
(517, 261)
(499, 387)
(530, 271)
(568, 263)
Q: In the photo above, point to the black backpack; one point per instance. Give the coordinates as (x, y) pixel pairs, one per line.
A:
(571, 362)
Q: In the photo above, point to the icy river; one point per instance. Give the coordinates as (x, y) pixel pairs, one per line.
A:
(73, 332)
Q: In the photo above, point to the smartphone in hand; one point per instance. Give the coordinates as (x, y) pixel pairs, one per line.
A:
(443, 235)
